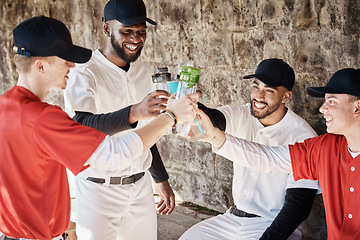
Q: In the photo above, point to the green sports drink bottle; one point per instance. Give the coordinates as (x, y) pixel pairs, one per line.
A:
(188, 80)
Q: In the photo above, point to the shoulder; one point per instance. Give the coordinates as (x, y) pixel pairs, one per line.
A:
(235, 109)
(140, 64)
(300, 125)
(140, 68)
(36, 113)
(96, 61)
(52, 112)
(327, 140)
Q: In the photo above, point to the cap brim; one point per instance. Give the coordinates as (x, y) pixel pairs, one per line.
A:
(151, 21)
(77, 54)
(321, 91)
(135, 20)
(262, 78)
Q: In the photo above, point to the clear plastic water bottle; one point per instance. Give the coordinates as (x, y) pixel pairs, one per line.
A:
(160, 77)
(163, 81)
(188, 80)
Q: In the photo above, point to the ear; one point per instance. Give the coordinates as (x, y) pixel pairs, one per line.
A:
(287, 95)
(39, 65)
(107, 29)
(357, 107)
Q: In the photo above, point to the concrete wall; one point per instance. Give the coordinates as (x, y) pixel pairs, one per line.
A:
(226, 39)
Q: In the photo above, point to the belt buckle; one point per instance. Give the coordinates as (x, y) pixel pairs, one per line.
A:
(124, 178)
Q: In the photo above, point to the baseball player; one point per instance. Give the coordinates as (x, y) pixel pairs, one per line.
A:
(112, 92)
(259, 197)
(38, 141)
(332, 158)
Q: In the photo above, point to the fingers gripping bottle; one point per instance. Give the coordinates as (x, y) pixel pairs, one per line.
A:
(163, 81)
(188, 80)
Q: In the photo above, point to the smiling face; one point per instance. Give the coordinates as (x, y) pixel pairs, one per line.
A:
(268, 103)
(339, 113)
(127, 41)
(57, 70)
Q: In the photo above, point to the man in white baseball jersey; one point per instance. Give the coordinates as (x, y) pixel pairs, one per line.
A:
(260, 198)
(332, 158)
(112, 92)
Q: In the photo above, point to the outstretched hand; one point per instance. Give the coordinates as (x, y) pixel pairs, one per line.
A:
(184, 108)
(209, 131)
(149, 107)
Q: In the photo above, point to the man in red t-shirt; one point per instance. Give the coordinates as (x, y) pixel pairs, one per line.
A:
(332, 158)
(38, 141)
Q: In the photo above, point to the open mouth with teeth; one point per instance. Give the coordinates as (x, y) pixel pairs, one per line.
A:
(259, 106)
(328, 119)
(132, 47)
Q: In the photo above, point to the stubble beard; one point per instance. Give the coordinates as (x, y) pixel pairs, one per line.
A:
(121, 53)
(269, 111)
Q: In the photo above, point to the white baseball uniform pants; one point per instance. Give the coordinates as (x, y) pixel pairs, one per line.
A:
(230, 227)
(115, 212)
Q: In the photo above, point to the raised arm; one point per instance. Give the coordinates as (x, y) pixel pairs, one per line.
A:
(184, 110)
(109, 123)
(263, 158)
(131, 145)
(127, 118)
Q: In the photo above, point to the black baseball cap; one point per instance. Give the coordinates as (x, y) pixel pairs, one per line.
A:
(128, 12)
(44, 37)
(274, 73)
(346, 81)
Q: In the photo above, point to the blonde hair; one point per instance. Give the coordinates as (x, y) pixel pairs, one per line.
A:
(23, 63)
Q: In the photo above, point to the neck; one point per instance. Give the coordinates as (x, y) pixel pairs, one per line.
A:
(39, 90)
(353, 139)
(274, 117)
(111, 55)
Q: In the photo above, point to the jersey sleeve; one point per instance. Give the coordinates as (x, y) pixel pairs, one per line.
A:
(255, 156)
(61, 139)
(109, 123)
(303, 183)
(304, 157)
(119, 154)
(80, 92)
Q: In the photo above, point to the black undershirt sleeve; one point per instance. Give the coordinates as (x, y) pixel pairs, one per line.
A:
(297, 207)
(157, 169)
(114, 122)
(217, 118)
(109, 123)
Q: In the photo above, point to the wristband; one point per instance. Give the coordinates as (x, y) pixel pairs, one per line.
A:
(170, 114)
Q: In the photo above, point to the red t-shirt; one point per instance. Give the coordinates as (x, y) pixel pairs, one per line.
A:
(327, 159)
(38, 142)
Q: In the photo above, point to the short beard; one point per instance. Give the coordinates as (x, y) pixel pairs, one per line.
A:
(271, 109)
(121, 53)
